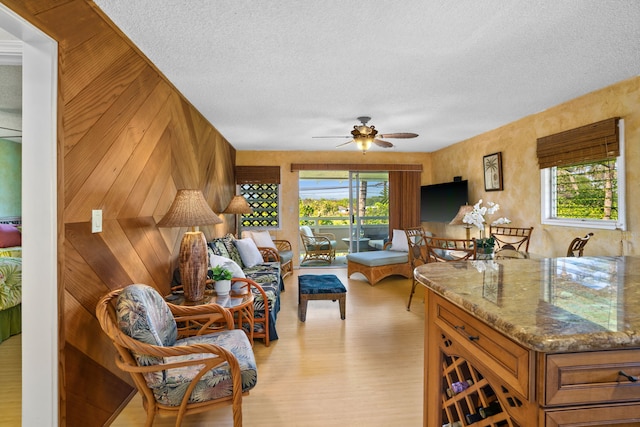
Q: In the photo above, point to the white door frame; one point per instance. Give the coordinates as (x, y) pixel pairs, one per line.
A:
(39, 220)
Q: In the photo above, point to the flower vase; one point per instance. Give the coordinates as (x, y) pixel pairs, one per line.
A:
(222, 287)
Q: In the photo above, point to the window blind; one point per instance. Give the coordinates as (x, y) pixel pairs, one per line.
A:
(596, 141)
(257, 175)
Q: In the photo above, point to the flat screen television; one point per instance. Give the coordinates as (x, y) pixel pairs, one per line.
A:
(441, 202)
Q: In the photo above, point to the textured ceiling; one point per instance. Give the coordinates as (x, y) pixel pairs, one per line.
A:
(270, 75)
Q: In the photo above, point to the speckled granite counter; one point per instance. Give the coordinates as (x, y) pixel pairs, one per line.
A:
(549, 305)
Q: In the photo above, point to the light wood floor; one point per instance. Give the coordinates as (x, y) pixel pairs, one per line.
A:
(11, 375)
(366, 370)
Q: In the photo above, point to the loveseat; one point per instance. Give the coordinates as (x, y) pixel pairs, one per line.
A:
(248, 261)
(225, 251)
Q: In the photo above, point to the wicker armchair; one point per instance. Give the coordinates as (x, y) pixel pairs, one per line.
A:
(178, 376)
(317, 246)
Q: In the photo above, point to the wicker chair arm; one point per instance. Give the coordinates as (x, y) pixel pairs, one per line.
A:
(283, 245)
(252, 284)
(219, 356)
(328, 236)
(269, 254)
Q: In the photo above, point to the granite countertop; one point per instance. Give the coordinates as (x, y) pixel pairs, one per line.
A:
(549, 305)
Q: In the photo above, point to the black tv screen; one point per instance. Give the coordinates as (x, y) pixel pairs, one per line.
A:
(441, 202)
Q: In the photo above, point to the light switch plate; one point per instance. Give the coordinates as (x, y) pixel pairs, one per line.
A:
(96, 221)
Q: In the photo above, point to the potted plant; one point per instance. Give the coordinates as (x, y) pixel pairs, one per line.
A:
(477, 217)
(222, 279)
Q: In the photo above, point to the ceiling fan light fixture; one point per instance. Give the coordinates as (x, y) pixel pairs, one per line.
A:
(363, 142)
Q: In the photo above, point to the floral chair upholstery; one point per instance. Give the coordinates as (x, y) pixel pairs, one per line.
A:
(173, 374)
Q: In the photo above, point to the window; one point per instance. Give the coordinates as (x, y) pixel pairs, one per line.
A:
(586, 193)
(260, 185)
(263, 199)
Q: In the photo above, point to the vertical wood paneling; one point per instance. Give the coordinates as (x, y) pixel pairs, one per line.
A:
(128, 140)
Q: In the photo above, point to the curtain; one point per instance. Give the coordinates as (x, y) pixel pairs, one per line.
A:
(404, 200)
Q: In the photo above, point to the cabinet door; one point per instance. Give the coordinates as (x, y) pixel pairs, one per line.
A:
(618, 415)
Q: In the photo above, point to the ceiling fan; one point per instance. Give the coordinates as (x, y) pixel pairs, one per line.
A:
(364, 135)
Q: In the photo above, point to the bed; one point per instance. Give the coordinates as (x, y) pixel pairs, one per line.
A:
(10, 281)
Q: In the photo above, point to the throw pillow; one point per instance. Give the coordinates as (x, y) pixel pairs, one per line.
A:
(248, 252)
(262, 239)
(229, 264)
(9, 236)
(306, 231)
(399, 241)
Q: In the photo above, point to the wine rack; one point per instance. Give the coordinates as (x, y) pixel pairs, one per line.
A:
(467, 397)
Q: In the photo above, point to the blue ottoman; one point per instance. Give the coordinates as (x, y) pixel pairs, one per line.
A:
(320, 287)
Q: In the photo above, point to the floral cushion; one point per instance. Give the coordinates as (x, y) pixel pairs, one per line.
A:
(217, 382)
(10, 282)
(11, 252)
(225, 246)
(144, 315)
(266, 275)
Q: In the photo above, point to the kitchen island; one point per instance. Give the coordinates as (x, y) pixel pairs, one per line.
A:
(532, 342)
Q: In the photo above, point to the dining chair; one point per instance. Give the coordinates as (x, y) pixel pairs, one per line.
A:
(417, 243)
(443, 249)
(515, 236)
(576, 247)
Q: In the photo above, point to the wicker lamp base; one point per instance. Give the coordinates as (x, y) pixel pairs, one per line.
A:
(194, 265)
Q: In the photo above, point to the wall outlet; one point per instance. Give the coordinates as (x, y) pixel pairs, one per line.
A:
(96, 221)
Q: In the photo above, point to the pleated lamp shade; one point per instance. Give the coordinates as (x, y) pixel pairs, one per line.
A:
(190, 209)
(457, 220)
(238, 205)
(464, 209)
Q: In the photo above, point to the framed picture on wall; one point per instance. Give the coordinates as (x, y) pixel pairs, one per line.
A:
(492, 166)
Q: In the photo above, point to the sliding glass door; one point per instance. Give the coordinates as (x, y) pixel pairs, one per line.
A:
(353, 206)
(369, 207)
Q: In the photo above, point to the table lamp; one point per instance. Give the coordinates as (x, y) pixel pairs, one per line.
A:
(238, 206)
(190, 209)
(457, 220)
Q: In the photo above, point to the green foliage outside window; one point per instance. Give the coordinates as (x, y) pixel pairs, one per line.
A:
(378, 206)
(587, 191)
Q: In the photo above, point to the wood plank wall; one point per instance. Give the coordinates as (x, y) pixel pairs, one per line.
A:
(127, 141)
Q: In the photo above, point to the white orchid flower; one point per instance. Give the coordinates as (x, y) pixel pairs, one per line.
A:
(477, 216)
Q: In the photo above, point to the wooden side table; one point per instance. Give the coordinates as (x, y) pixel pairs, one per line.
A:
(240, 305)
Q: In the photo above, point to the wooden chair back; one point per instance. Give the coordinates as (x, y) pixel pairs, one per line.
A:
(517, 237)
(576, 247)
(442, 249)
(417, 243)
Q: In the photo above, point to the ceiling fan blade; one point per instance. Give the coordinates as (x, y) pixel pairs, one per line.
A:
(399, 135)
(381, 143)
(346, 136)
(344, 143)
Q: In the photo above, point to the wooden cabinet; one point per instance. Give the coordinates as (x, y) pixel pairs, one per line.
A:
(469, 365)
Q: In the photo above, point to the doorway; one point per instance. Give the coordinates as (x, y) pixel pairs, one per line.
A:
(353, 206)
(39, 221)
